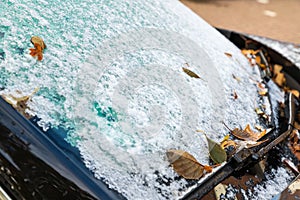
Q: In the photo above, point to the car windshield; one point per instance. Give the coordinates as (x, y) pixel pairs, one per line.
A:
(121, 82)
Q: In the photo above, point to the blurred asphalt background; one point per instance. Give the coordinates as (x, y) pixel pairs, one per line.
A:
(276, 19)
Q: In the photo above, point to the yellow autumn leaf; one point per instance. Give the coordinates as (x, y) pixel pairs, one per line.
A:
(249, 51)
(295, 92)
(227, 143)
(278, 77)
(259, 111)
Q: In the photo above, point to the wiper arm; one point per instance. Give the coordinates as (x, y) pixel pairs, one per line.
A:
(244, 157)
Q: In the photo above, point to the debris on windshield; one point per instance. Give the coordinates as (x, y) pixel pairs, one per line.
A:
(39, 46)
(190, 73)
(259, 111)
(251, 55)
(295, 92)
(216, 152)
(226, 142)
(262, 90)
(186, 165)
(238, 79)
(228, 54)
(234, 95)
(294, 143)
(263, 115)
(246, 134)
(249, 143)
(278, 77)
(20, 103)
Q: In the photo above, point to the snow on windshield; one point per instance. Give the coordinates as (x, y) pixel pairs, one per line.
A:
(112, 77)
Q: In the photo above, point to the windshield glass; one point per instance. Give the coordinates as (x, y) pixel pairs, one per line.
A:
(117, 83)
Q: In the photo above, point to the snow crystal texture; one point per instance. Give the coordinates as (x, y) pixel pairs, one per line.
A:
(112, 76)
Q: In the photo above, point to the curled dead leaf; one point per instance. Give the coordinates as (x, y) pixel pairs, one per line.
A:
(247, 134)
(36, 40)
(295, 93)
(251, 55)
(39, 46)
(228, 143)
(186, 165)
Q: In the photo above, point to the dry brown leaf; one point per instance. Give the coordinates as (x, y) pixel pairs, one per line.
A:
(261, 114)
(36, 40)
(228, 54)
(250, 55)
(279, 77)
(258, 60)
(261, 85)
(297, 125)
(277, 69)
(249, 51)
(235, 96)
(247, 134)
(295, 92)
(39, 46)
(190, 73)
(20, 103)
(186, 165)
(294, 145)
(263, 92)
(259, 111)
